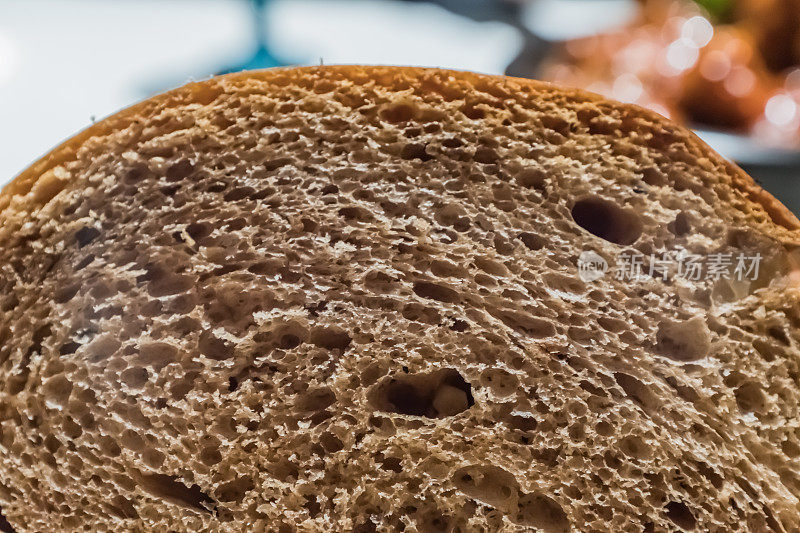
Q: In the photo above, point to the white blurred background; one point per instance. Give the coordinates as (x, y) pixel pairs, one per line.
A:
(64, 63)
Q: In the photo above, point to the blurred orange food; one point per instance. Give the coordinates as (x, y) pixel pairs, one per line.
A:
(739, 76)
(729, 85)
(775, 28)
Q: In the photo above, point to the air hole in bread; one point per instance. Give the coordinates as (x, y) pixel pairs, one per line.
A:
(442, 268)
(654, 177)
(541, 512)
(354, 212)
(607, 220)
(490, 266)
(472, 112)
(765, 349)
(216, 186)
(459, 325)
(436, 291)
(392, 464)
(135, 377)
(289, 341)
(309, 225)
(635, 447)
(486, 155)
(67, 348)
(180, 170)
(779, 334)
(591, 388)
(153, 458)
(234, 490)
(751, 398)
(638, 391)
(531, 178)
(170, 489)
(263, 193)
(790, 448)
(412, 132)
(238, 193)
(379, 281)
(489, 484)
(163, 282)
(329, 188)
(453, 215)
(421, 313)
(275, 164)
(683, 341)
(330, 337)
(5, 526)
(268, 267)
(170, 191)
(85, 262)
(532, 241)
(680, 515)
(524, 322)
(433, 395)
(709, 473)
(564, 284)
(681, 225)
(285, 335)
(434, 521)
(57, 391)
(521, 421)
(213, 347)
(312, 505)
(86, 235)
(330, 442)
(136, 173)
(611, 324)
(415, 151)
(452, 142)
(210, 453)
(131, 440)
(67, 293)
(122, 507)
(199, 230)
(154, 354)
(180, 387)
(397, 113)
(316, 399)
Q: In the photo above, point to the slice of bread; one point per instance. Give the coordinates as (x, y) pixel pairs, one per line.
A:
(348, 299)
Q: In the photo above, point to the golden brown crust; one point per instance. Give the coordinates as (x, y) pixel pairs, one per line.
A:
(203, 90)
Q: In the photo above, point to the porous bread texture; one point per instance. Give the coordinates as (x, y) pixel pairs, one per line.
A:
(346, 299)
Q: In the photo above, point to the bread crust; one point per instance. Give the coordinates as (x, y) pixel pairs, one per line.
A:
(201, 91)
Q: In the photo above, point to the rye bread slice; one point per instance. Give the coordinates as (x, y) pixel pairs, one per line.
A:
(348, 299)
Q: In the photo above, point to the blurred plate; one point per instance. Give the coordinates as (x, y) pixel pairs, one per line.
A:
(557, 20)
(747, 151)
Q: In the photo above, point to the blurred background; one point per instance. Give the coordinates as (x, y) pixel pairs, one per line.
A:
(730, 69)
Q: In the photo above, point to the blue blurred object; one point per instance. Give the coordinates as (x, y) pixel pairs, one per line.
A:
(262, 56)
